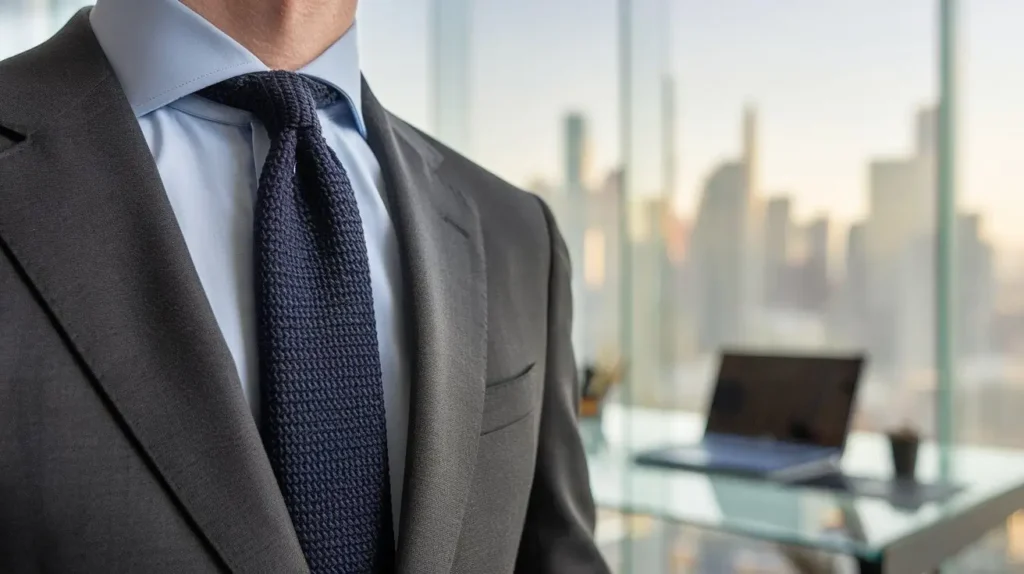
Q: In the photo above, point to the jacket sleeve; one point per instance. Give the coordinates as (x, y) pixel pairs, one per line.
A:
(558, 537)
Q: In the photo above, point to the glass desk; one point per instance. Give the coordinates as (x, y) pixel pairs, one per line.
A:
(882, 537)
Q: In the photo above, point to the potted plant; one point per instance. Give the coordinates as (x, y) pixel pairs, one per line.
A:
(904, 442)
(598, 380)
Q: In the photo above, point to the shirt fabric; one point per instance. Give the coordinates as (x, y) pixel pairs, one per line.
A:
(209, 157)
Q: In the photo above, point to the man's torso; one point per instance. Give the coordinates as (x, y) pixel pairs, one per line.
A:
(126, 440)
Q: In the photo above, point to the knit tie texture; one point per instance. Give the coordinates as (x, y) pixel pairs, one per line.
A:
(322, 401)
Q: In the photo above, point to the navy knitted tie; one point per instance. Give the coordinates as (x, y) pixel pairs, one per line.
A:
(322, 401)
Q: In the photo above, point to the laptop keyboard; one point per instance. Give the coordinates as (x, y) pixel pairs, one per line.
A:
(740, 453)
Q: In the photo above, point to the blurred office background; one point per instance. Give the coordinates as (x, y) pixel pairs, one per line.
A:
(744, 173)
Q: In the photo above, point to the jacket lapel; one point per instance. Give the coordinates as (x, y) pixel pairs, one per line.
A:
(439, 232)
(86, 218)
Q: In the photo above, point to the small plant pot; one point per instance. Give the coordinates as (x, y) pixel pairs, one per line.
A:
(904, 454)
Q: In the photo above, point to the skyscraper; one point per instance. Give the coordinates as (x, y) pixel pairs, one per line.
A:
(574, 218)
(719, 253)
(975, 290)
(814, 279)
(602, 299)
(751, 160)
(852, 319)
(649, 305)
(668, 137)
(753, 255)
(727, 252)
(927, 132)
(450, 42)
(776, 251)
(577, 153)
(899, 243)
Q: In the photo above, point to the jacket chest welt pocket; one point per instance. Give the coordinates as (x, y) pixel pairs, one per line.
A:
(511, 400)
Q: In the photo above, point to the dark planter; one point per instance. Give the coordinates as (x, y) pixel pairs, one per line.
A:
(904, 455)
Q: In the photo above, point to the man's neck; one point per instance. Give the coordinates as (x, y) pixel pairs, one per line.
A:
(284, 34)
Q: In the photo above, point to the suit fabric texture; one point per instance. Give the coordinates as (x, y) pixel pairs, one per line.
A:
(126, 443)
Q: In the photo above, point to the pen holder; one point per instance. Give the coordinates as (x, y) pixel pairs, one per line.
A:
(597, 381)
(904, 444)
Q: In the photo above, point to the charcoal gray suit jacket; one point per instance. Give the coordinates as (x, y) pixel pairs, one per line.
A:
(126, 444)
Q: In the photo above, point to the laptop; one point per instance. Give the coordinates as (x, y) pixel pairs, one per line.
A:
(774, 416)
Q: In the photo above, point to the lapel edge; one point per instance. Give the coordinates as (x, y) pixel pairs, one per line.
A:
(240, 483)
(444, 268)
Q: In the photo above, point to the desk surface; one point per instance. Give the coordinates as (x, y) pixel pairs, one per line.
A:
(993, 479)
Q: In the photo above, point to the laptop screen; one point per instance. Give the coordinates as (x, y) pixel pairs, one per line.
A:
(805, 400)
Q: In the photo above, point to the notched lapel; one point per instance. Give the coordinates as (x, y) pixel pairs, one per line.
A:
(86, 218)
(442, 248)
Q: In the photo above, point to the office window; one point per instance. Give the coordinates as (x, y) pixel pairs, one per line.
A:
(797, 211)
(989, 325)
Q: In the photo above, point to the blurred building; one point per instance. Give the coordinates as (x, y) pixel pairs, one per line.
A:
(719, 252)
(678, 324)
(449, 70)
(796, 260)
(849, 322)
(899, 252)
(649, 279)
(602, 249)
(974, 325)
(668, 137)
(814, 268)
(727, 273)
(577, 152)
(588, 218)
(778, 279)
(573, 218)
(893, 282)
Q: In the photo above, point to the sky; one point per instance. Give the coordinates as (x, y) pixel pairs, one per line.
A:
(836, 84)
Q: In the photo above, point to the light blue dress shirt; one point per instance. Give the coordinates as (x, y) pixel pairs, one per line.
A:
(209, 157)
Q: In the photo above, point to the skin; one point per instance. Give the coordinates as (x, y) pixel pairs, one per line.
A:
(284, 34)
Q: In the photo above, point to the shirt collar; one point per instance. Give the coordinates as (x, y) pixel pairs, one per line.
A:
(162, 51)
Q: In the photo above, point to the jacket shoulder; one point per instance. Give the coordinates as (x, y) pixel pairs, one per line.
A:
(39, 84)
(496, 200)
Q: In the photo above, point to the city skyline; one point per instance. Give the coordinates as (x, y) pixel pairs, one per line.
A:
(834, 84)
(744, 272)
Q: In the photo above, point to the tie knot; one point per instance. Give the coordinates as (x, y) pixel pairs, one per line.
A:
(281, 100)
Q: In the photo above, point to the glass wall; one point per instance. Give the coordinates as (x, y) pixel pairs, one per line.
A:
(990, 327)
(806, 194)
(25, 23)
(988, 318)
(739, 174)
(797, 214)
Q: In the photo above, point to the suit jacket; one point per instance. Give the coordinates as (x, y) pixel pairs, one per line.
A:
(125, 441)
